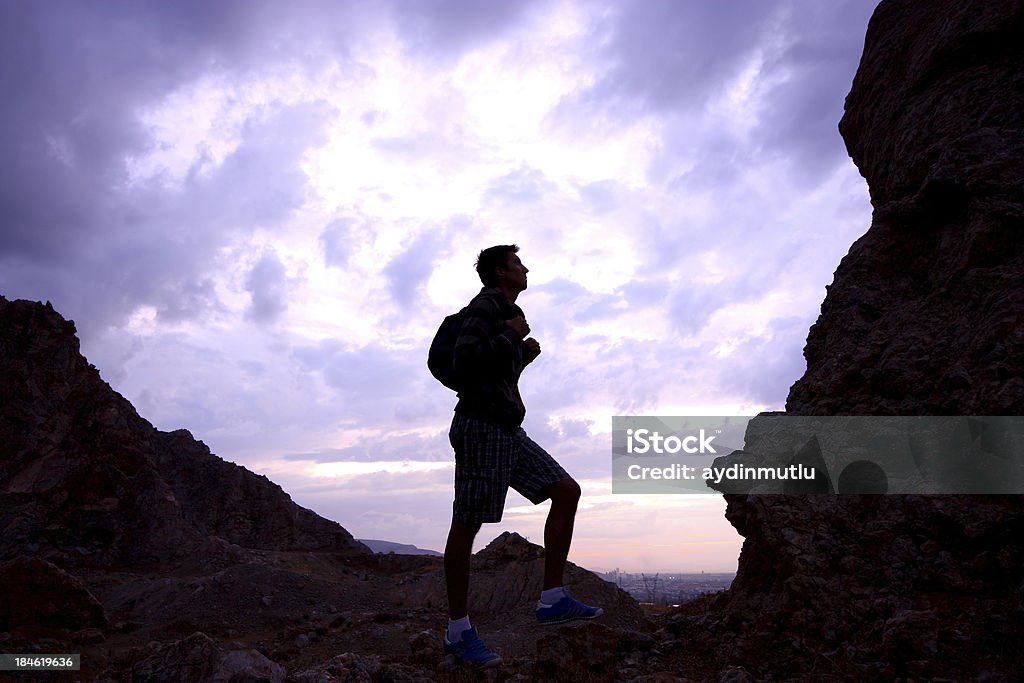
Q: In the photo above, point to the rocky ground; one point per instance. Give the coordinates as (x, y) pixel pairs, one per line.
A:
(323, 616)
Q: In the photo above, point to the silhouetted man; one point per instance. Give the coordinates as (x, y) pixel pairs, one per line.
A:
(492, 452)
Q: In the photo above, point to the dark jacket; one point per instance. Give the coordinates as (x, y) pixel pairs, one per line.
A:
(489, 355)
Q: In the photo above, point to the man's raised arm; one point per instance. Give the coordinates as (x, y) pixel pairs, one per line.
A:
(477, 349)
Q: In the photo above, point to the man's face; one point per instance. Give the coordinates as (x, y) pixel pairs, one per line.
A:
(515, 273)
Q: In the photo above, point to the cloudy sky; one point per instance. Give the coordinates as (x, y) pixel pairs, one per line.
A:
(258, 212)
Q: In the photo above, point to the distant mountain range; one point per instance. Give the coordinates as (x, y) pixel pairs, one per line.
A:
(397, 548)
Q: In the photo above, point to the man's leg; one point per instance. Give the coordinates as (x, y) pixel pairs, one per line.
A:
(461, 639)
(556, 606)
(457, 553)
(565, 495)
(481, 476)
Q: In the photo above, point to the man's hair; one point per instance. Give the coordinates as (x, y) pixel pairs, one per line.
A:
(491, 258)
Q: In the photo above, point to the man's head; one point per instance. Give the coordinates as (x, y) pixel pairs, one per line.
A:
(499, 266)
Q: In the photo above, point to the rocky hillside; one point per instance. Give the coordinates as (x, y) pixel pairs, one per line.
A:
(923, 318)
(86, 482)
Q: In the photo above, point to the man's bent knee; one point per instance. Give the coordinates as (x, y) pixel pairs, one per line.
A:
(565, 491)
(465, 528)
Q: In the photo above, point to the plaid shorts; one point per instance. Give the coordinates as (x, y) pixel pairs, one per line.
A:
(489, 459)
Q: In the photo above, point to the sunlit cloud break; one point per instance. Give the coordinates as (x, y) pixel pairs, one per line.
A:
(257, 213)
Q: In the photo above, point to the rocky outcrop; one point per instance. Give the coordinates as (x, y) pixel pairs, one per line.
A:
(508, 574)
(86, 482)
(923, 315)
(921, 319)
(507, 578)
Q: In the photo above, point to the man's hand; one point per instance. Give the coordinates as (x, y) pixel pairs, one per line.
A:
(520, 325)
(531, 349)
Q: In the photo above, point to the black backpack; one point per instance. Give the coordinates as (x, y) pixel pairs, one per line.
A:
(441, 358)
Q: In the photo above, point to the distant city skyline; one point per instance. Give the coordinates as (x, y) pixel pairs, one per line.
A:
(257, 213)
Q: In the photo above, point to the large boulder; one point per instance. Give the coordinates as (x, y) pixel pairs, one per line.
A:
(921, 319)
(923, 315)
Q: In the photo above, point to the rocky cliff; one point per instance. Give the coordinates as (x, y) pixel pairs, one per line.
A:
(86, 482)
(923, 318)
(923, 315)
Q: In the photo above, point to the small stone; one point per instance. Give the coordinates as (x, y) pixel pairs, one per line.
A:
(89, 635)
